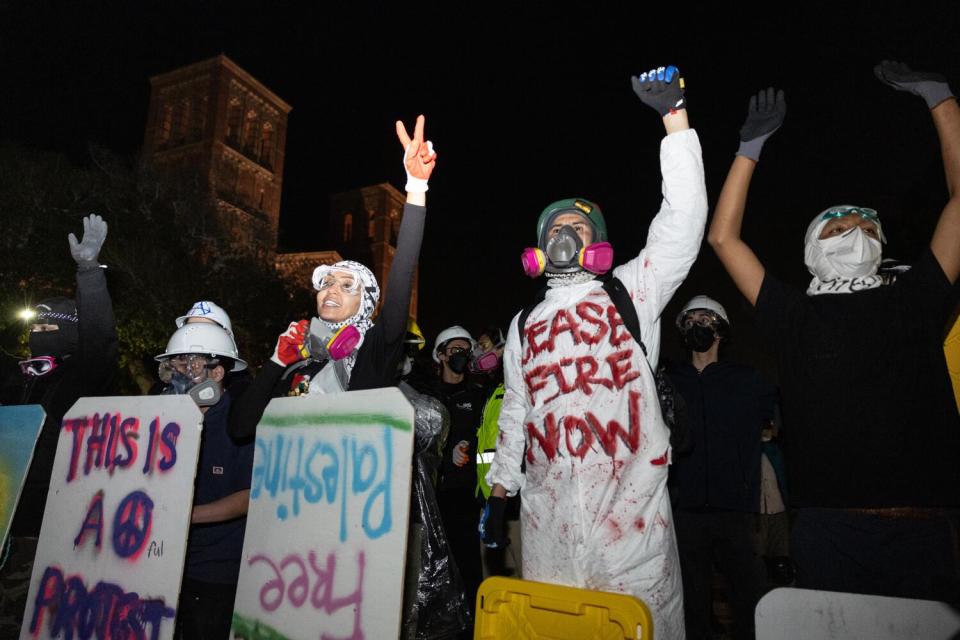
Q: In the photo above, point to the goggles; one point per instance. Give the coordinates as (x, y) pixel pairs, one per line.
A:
(39, 366)
(455, 350)
(705, 320)
(863, 212)
(192, 362)
(350, 285)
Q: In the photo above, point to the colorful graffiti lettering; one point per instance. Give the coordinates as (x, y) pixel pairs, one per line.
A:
(106, 611)
(110, 443)
(581, 433)
(295, 470)
(298, 592)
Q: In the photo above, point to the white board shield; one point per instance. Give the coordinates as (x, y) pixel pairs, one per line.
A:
(114, 535)
(20, 427)
(325, 544)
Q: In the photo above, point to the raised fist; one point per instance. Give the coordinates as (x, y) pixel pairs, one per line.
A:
(660, 89)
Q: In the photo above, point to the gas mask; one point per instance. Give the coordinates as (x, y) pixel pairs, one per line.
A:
(324, 343)
(565, 253)
(204, 391)
(485, 361)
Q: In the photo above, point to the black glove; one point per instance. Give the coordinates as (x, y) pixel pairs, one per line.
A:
(765, 114)
(86, 252)
(660, 89)
(932, 87)
(491, 523)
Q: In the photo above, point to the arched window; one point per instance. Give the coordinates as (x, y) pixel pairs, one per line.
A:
(166, 124)
(250, 133)
(371, 225)
(233, 122)
(266, 145)
(347, 227)
(198, 119)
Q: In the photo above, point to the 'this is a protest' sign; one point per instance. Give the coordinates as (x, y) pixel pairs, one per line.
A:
(325, 544)
(111, 550)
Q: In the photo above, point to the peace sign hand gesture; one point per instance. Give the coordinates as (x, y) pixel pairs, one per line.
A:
(419, 158)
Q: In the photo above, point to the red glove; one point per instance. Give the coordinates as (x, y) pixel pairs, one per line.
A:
(289, 344)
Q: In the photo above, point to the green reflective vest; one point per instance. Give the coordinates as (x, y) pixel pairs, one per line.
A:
(487, 438)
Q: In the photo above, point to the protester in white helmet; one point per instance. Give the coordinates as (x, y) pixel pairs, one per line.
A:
(342, 349)
(199, 355)
(206, 311)
(715, 480)
(872, 432)
(581, 405)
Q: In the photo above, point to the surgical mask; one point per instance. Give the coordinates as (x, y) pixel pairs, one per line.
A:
(852, 254)
(324, 343)
(699, 338)
(458, 362)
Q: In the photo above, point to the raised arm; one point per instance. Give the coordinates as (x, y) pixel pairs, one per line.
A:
(419, 160)
(765, 114)
(935, 91)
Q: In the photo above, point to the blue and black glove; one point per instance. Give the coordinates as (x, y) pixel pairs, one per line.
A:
(491, 523)
(932, 87)
(660, 89)
(765, 114)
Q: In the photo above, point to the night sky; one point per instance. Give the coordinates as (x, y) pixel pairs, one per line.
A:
(526, 103)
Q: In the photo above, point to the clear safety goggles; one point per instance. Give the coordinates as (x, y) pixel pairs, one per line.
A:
(705, 320)
(39, 366)
(192, 362)
(350, 285)
(864, 212)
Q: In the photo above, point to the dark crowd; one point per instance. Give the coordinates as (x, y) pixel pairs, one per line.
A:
(558, 446)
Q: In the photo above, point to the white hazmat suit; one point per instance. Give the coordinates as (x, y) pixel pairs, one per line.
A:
(595, 510)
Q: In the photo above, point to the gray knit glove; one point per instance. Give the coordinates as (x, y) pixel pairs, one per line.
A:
(932, 87)
(765, 114)
(86, 252)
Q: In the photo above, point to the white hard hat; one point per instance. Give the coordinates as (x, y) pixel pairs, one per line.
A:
(205, 339)
(703, 303)
(209, 311)
(452, 333)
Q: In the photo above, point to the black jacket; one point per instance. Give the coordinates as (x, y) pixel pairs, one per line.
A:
(91, 371)
(727, 406)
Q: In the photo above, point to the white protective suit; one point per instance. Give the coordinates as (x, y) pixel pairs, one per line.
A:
(595, 510)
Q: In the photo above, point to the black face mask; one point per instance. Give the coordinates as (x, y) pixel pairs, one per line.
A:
(51, 343)
(699, 338)
(458, 362)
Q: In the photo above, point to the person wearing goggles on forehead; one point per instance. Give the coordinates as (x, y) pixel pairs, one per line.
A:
(197, 359)
(716, 478)
(73, 353)
(341, 349)
(872, 431)
(582, 432)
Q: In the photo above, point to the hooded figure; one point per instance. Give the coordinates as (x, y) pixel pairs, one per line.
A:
(848, 257)
(581, 430)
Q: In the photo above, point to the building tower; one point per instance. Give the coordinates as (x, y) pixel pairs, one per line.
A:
(216, 121)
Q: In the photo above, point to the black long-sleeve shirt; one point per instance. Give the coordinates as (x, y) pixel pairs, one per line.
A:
(382, 348)
(91, 371)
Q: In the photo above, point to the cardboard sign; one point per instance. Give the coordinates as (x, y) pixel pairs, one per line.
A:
(323, 555)
(20, 427)
(111, 550)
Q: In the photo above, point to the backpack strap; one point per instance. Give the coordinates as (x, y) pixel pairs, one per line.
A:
(628, 313)
(522, 318)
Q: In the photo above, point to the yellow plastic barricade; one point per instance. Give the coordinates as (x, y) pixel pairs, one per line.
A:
(524, 610)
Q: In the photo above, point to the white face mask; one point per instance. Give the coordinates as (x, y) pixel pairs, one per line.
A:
(852, 254)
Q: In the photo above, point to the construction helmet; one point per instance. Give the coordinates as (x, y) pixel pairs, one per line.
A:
(448, 334)
(590, 211)
(205, 339)
(208, 311)
(703, 303)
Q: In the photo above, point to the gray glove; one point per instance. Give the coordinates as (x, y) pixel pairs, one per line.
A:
(765, 114)
(660, 89)
(86, 251)
(932, 87)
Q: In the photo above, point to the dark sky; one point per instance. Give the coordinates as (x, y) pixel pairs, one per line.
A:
(527, 102)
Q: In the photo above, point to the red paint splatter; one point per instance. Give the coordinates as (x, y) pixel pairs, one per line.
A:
(640, 524)
(615, 532)
(662, 460)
